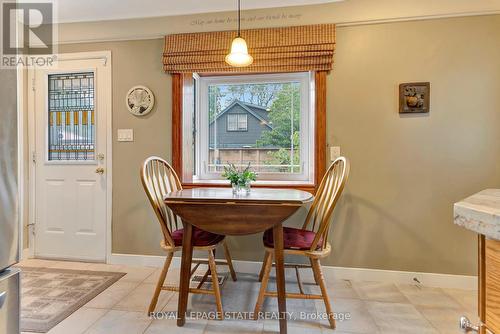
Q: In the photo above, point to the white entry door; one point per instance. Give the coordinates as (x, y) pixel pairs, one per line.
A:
(72, 106)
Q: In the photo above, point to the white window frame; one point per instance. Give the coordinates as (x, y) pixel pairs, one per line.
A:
(238, 117)
(245, 118)
(307, 91)
(229, 123)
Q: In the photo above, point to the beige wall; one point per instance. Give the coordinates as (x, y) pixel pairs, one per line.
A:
(406, 171)
(135, 63)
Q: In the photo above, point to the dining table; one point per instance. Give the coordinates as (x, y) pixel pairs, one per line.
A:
(221, 211)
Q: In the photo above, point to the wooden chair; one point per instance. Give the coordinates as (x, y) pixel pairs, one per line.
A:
(158, 179)
(311, 241)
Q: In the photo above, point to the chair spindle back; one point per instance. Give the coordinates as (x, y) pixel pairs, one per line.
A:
(158, 179)
(327, 195)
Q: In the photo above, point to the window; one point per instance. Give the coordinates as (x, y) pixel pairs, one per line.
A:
(237, 122)
(262, 121)
(71, 117)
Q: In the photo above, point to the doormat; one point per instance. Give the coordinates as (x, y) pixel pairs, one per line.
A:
(49, 295)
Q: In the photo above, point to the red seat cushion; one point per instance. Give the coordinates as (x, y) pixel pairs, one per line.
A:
(293, 238)
(200, 238)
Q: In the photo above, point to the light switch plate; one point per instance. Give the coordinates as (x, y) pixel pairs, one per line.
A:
(125, 134)
(334, 152)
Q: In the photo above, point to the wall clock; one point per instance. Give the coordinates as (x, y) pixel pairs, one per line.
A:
(140, 100)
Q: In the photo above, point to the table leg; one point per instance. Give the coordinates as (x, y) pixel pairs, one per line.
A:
(187, 256)
(280, 275)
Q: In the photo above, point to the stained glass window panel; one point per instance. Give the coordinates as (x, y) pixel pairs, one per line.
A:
(71, 119)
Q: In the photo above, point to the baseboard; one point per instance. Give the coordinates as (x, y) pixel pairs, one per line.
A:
(346, 273)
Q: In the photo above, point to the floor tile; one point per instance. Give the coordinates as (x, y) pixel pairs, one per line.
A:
(70, 265)
(120, 322)
(139, 298)
(294, 327)
(426, 296)
(106, 267)
(196, 303)
(234, 326)
(112, 295)
(240, 296)
(379, 291)
(172, 278)
(336, 331)
(153, 278)
(351, 315)
(341, 289)
(446, 320)
(36, 263)
(399, 318)
(360, 307)
(307, 306)
(466, 298)
(328, 330)
(165, 326)
(306, 275)
(137, 274)
(79, 321)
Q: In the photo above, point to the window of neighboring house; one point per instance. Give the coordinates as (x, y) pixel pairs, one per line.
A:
(237, 122)
(262, 121)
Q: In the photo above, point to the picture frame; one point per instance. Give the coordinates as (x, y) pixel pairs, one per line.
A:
(414, 97)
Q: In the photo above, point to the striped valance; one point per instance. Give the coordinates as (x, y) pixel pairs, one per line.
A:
(289, 49)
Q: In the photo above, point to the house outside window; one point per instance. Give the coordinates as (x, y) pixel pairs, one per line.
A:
(265, 121)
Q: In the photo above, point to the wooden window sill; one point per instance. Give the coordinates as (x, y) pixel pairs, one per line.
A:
(304, 187)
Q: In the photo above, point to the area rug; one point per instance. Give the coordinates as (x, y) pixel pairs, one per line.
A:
(48, 296)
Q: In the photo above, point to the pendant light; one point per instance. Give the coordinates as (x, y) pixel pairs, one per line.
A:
(239, 57)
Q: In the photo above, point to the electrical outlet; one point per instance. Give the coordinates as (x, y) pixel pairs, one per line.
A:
(334, 152)
(125, 134)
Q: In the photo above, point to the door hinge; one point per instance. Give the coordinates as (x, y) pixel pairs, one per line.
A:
(33, 84)
(33, 157)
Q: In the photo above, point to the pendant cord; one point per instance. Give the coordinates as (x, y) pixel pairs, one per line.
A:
(239, 18)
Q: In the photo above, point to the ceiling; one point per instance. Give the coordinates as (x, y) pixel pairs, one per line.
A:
(100, 10)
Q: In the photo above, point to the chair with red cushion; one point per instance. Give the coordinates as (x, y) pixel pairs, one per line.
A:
(311, 240)
(158, 179)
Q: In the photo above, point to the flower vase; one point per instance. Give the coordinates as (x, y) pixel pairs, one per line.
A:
(236, 188)
(247, 187)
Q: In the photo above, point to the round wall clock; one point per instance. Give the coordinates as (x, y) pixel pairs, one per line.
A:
(140, 100)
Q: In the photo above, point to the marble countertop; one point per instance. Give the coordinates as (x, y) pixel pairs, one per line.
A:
(480, 213)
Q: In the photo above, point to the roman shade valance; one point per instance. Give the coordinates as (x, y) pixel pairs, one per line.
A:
(289, 49)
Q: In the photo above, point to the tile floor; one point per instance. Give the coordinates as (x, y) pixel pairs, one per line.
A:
(371, 307)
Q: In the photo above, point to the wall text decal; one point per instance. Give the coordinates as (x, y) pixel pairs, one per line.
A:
(248, 19)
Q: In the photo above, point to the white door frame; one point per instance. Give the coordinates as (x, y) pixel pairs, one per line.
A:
(105, 56)
(22, 173)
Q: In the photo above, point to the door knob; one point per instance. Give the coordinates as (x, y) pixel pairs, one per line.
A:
(99, 170)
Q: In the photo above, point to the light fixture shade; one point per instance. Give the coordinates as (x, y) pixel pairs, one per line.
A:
(239, 56)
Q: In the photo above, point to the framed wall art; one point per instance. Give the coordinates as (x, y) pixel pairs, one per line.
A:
(414, 97)
(140, 100)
